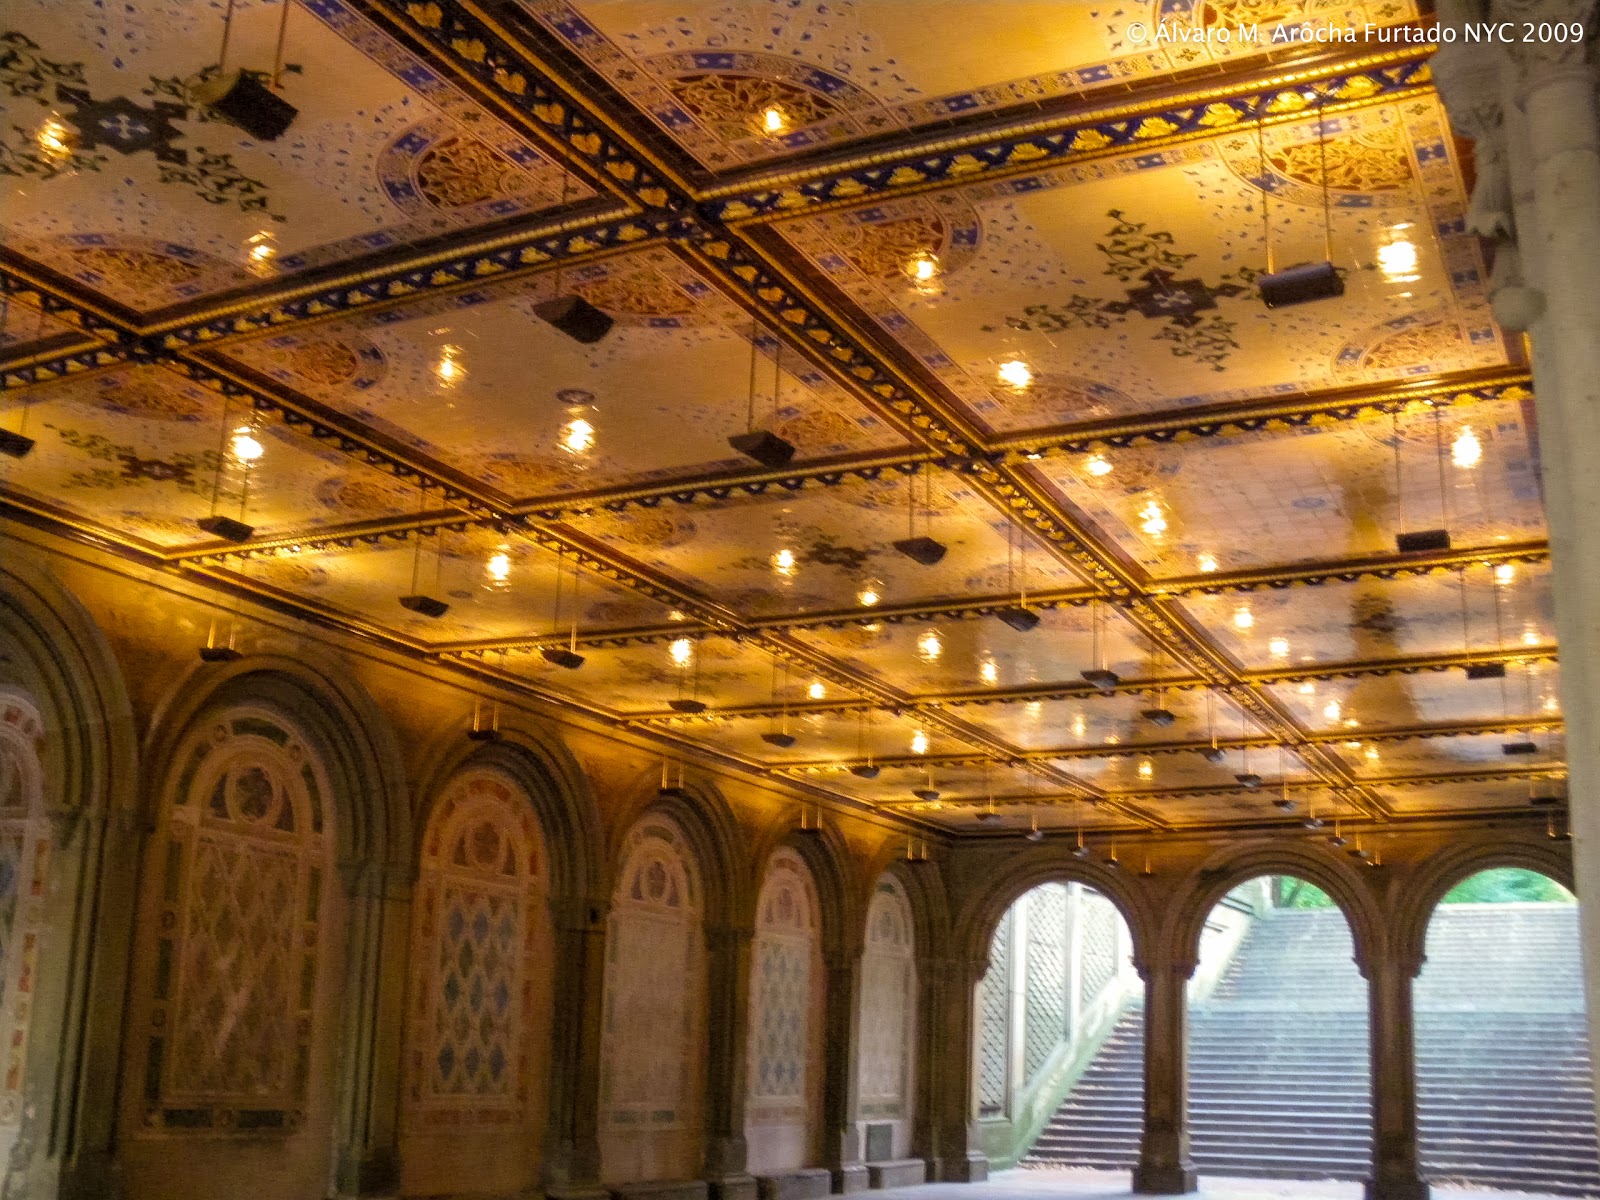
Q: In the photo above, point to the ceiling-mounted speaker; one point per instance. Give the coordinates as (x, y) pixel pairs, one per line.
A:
(1520, 748)
(672, 791)
(1545, 801)
(560, 656)
(14, 445)
(1338, 839)
(1284, 804)
(1034, 835)
(1080, 852)
(988, 816)
(766, 447)
(1301, 284)
(1162, 717)
(1101, 678)
(575, 317)
(243, 100)
(227, 528)
(1213, 754)
(687, 706)
(219, 654)
(1486, 670)
(922, 550)
(929, 794)
(865, 770)
(486, 733)
(1313, 823)
(781, 740)
(425, 606)
(1358, 852)
(1423, 541)
(1249, 780)
(1019, 618)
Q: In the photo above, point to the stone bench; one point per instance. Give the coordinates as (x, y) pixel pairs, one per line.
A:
(808, 1183)
(662, 1189)
(897, 1172)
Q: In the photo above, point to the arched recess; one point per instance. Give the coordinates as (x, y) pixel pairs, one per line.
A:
(477, 1031)
(653, 1044)
(59, 676)
(785, 1061)
(886, 1027)
(317, 746)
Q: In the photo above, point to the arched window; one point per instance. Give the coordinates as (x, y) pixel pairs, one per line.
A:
(478, 1014)
(241, 863)
(653, 1073)
(887, 1024)
(24, 866)
(786, 994)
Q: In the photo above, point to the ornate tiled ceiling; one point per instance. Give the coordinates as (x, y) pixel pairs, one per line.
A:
(997, 290)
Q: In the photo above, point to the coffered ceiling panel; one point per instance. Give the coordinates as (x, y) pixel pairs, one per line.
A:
(1528, 691)
(152, 200)
(1381, 618)
(1465, 797)
(1446, 755)
(1249, 808)
(1125, 285)
(1332, 491)
(146, 450)
(1108, 720)
(708, 74)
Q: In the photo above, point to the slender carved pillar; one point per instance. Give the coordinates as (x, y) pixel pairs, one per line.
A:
(955, 982)
(1396, 1173)
(572, 1164)
(727, 1037)
(840, 1087)
(930, 1064)
(366, 1150)
(1165, 1168)
(1530, 108)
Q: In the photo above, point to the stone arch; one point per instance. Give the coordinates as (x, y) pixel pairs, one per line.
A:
(1420, 894)
(720, 848)
(982, 911)
(358, 747)
(1228, 869)
(54, 656)
(839, 893)
(886, 1060)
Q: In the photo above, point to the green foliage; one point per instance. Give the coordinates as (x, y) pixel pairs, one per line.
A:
(1507, 884)
(1289, 892)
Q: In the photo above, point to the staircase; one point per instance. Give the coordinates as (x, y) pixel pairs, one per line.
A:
(1278, 1072)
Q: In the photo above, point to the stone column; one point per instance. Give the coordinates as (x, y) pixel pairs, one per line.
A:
(1530, 109)
(572, 1163)
(367, 1112)
(1165, 1168)
(841, 1148)
(728, 949)
(929, 1062)
(956, 1151)
(1396, 1173)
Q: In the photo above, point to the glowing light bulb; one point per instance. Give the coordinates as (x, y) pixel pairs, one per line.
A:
(1308, 688)
(1530, 636)
(448, 369)
(245, 446)
(1113, 740)
(260, 251)
(1098, 465)
(1372, 754)
(1147, 769)
(1505, 573)
(1034, 709)
(817, 690)
(1552, 703)
(55, 138)
(868, 595)
(577, 436)
(1014, 373)
(1279, 647)
(498, 566)
(919, 742)
(1243, 618)
(989, 671)
(930, 646)
(677, 614)
(681, 650)
(1207, 563)
(1466, 451)
(1152, 520)
(1332, 710)
(923, 268)
(1079, 725)
(1398, 261)
(774, 120)
(784, 562)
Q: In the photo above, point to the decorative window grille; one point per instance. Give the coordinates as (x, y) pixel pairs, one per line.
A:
(888, 998)
(994, 1016)
(1046, 994)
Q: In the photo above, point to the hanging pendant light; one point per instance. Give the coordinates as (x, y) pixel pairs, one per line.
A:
(919, 548)
(780, 737)
(569, 312)
(1034, 834)
(1302, 282)
(1160, 716)
(566, 657)
(13, 443)
(1212, 753)
(228, 529)
(866, 769)
(418, 601)
(1018, 616)
(485, 721)
(671, 785)
(763, 445)
(240, 97)
(1423, 541)
(1101, 676)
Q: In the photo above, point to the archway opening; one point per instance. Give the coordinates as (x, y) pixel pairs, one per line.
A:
(1059, 1034)
(1505, 1097)
(1278, 1048)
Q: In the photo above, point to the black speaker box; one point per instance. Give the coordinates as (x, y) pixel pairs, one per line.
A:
(575, 317)
(1300, 284)
(253, 107)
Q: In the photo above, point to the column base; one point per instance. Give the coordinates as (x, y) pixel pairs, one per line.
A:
(732, 1187)
(850, 1178)
(971, 1167)
(577, 1191)
(1404, 1188)
(1164, 1180)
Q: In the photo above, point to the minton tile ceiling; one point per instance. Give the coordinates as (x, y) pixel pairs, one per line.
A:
(1062, 373)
